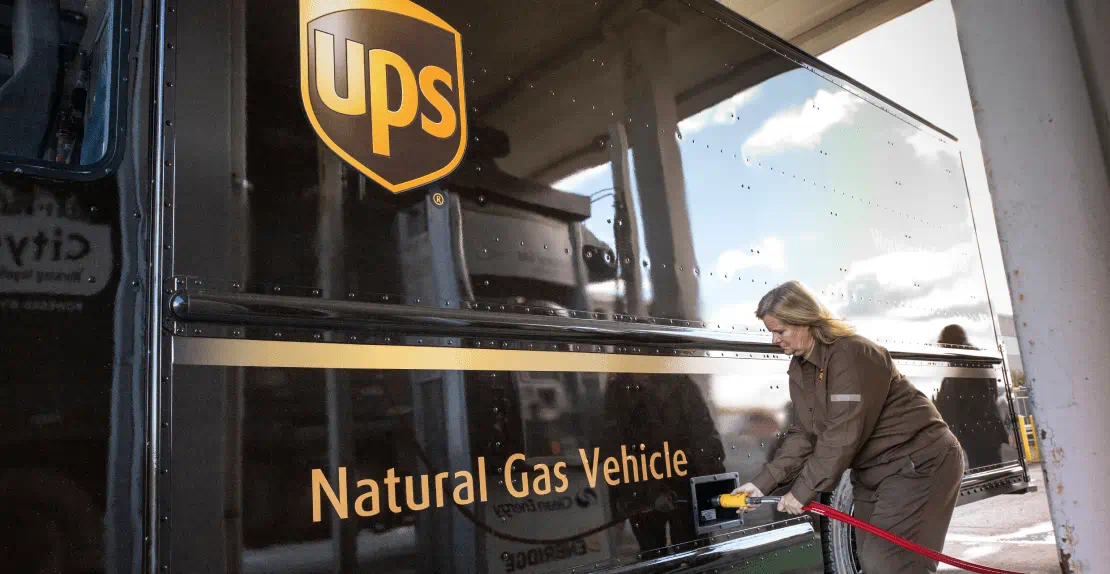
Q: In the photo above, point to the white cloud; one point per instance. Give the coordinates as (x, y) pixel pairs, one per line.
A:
(958, 294)
(902, 269)
(928, 146)
(770, 253)
(735, 314)
(748, 391)
(608, 290)
(802, 126)
(576, 180)
(720, 114)
(899, 295)
(890, 328)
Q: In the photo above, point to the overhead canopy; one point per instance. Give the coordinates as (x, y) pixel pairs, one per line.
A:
(570, 59)
(818, 26)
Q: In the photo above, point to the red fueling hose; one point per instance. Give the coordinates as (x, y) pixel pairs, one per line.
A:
(834, 514)
(743, 500)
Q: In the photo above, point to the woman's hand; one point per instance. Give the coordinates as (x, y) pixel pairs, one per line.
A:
(750, 490)
(790, 505)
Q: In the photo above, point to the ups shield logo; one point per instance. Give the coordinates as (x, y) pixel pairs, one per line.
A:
(382, 83)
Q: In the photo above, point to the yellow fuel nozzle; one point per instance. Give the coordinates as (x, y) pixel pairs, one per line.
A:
(741, 500)
(730, 500)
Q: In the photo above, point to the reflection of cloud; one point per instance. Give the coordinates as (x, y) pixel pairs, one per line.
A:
(576, 180)
(905, 268)
(885, 329)
(900, 295)
(770, 253)
(875, 285)
(749, 391)
(803, 126)
(955, 297)
(735, 314)
(609, 290)
(910, 295)
(927, 146)
(722, 113)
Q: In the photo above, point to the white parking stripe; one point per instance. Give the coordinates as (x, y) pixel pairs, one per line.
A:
(1010, 538)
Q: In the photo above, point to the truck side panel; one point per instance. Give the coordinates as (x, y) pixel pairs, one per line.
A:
(585, 279)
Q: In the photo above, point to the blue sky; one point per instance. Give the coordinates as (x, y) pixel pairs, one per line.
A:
(800, 179)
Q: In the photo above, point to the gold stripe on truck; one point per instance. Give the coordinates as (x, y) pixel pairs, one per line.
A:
(295, 354)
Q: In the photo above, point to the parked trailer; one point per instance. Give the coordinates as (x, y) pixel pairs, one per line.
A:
(375, 285)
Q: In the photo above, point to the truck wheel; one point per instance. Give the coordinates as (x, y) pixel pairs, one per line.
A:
(838, 540)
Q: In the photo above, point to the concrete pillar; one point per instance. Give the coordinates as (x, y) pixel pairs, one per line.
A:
(1090, 18)
(330, 278)
(651, 121)
(1031, 69)
(434, 270)
(625, 223)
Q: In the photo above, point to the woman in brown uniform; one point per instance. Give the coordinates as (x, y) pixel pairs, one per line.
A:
(854, 410)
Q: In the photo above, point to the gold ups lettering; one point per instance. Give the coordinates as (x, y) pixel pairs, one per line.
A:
(382, 85)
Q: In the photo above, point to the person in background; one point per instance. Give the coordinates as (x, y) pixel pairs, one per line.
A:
(650, 410)
(971, 405)
(854, 410)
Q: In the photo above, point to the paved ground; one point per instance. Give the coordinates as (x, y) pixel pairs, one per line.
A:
(1008, 532)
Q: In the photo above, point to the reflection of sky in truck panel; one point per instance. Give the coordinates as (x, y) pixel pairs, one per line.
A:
(790, 122)
(749, 391)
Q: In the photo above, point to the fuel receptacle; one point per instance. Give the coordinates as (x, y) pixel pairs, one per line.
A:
(707, 516)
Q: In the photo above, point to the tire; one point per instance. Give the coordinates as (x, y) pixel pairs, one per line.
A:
(838, 540)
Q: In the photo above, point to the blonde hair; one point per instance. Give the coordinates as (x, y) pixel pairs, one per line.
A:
(794, 304)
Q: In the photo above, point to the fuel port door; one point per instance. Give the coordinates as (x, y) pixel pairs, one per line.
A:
(708, 518)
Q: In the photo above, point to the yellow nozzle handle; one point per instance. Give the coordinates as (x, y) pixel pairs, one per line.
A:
(742, 500)
(732, 500)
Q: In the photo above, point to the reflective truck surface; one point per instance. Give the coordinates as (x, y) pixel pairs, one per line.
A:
(443, 286)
